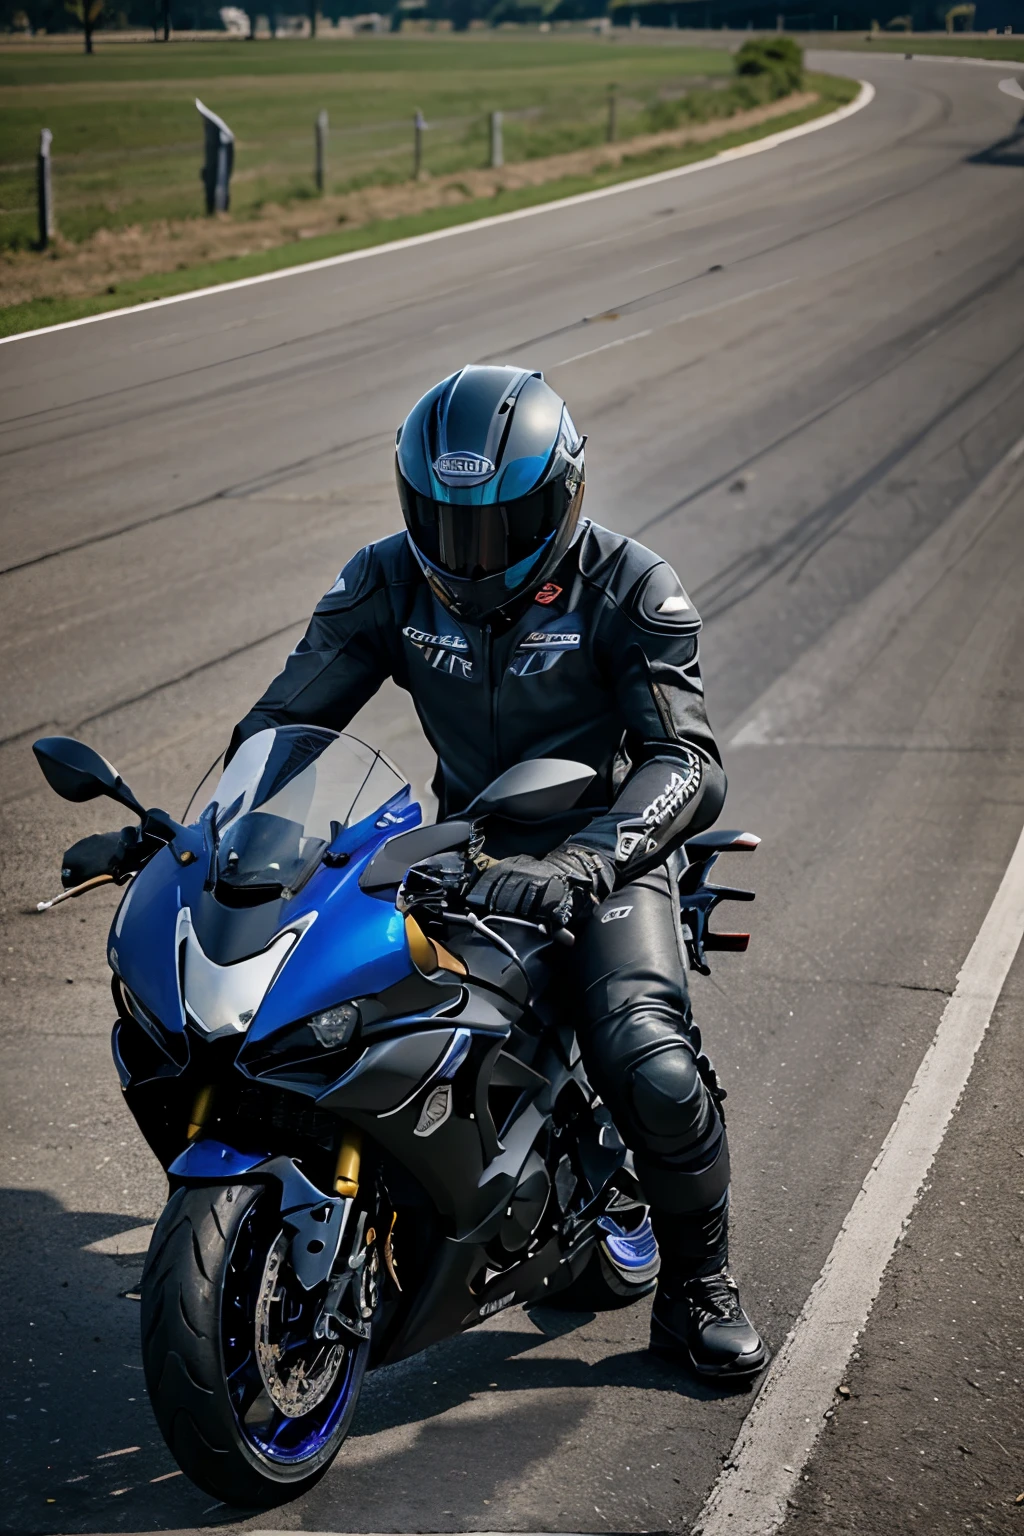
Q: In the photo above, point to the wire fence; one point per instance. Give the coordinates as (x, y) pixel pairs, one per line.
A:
(136, 183)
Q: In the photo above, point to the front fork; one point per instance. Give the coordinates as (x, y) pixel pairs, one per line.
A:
(317, 1223)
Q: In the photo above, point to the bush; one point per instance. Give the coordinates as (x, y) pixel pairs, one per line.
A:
(777, 59)
(664, 115)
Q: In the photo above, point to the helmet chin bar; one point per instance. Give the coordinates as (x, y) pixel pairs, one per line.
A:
(476, 601)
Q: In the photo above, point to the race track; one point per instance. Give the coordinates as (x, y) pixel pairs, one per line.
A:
(794, 371)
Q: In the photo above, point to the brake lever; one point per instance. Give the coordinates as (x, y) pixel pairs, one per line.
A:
(75, 890)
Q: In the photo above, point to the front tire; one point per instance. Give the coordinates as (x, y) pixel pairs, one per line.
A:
(252, 1406)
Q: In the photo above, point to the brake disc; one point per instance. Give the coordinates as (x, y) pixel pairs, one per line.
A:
(295, 1387)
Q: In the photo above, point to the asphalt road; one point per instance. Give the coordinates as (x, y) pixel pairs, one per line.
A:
(793, 370)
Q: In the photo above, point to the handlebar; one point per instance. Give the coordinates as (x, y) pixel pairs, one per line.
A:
(444, 883)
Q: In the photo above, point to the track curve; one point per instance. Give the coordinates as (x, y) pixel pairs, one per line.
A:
(793, 369)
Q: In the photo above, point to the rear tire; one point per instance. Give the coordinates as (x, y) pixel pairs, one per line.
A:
(205, 1275)
(622, 1269)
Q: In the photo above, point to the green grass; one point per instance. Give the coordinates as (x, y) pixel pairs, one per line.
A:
(832, 91)
(127, 140)
(959, 46)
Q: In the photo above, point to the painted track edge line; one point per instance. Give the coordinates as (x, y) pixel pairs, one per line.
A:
(750, 1497)
(756, 146)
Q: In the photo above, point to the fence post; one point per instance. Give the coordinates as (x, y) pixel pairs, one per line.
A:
(44, 184)
(612, 128)
(419, 125)
(321, 149)
(497, 145)
(218, 162)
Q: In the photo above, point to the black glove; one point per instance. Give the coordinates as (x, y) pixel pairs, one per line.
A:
(105, 853)
(590, 873)
(555, 889)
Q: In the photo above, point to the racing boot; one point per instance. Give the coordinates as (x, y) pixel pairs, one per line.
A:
(700, 1320)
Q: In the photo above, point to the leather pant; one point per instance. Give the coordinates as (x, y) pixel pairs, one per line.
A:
(642, 1052)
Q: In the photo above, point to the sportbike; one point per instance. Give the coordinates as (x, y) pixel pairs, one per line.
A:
(369, 1102)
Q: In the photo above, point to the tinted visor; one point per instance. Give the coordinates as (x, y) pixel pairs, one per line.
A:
(473, 542)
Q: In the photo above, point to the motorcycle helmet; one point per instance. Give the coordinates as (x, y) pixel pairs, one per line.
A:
(490, 478)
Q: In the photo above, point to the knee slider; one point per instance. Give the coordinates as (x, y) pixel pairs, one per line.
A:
(669, 1101)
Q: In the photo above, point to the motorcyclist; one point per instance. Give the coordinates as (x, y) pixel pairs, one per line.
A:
(522, 631)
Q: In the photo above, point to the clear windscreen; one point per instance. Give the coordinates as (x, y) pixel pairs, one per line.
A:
(285, 796)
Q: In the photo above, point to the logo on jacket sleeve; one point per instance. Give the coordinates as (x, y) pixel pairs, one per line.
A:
(547, 594)
(463, 468)
(680, 789)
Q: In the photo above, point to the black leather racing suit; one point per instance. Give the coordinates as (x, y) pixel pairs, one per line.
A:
(601, 668)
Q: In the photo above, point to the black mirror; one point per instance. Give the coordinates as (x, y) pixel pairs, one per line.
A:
(534, 790)
(75, 772)
(390, 864)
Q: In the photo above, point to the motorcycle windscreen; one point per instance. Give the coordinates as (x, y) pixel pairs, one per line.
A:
(283, 798)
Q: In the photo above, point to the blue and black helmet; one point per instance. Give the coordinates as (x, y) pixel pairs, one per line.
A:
(490, 477)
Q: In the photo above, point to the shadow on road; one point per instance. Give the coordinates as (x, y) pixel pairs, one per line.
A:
(1008, 151)
(82, 1452)
(80, 1445)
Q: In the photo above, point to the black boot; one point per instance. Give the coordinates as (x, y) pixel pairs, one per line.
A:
(701, 1320)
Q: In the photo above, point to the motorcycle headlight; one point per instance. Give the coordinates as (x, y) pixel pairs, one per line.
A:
(308, 1050)
(335, 1026)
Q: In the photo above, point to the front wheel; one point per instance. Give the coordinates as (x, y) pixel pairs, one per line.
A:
(622, 1268)
(253, 1396)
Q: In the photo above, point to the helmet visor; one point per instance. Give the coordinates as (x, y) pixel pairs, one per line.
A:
(473, 542)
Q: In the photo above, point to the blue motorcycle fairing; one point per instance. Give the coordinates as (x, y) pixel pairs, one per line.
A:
(140, 948)
(357, 946)
(315, 1220)
(204, 1160)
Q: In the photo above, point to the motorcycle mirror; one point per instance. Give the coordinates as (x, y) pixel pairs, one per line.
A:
(77, 772)
(533, 790)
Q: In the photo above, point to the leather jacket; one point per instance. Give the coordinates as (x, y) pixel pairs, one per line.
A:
(601, 667)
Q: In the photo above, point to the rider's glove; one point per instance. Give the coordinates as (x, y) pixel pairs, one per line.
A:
(117, 854)
(590, 873)
(557, 888)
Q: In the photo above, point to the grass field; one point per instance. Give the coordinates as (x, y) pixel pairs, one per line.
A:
(832, 91)
(127, 140)
(960, 45)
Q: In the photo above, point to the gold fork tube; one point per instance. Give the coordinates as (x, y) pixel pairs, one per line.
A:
(346, 1174)
(200, 1111)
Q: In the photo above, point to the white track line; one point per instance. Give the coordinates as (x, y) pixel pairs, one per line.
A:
(1012, 88)
(755, 147)
(778, 1436)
